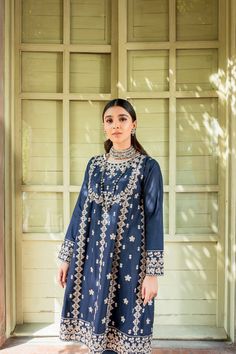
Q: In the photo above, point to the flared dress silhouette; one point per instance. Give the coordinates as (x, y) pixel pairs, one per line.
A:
(109, 251)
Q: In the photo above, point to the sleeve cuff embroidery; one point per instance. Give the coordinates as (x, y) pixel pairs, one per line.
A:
(66, 251)
(155, 262)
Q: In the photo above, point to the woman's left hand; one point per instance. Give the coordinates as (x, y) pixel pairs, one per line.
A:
(149, 288)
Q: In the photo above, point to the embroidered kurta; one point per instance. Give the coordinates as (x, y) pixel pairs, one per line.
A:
(109, 253)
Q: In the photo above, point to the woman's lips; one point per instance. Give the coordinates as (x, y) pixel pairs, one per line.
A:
(116, 133)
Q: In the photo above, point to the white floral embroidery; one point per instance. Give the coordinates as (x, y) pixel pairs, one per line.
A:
(82, 331)
(155, 262)
(127, 277)
(66, 251)
(112, 236)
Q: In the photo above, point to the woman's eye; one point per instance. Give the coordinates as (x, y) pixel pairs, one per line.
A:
(123, 119)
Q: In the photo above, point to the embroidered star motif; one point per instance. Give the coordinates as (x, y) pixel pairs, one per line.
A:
(91, 292)
(132, 238)
(148, 320)
(109, 276)
(104, 320)
(125, 301)
(106, 300)
(127, 277)
(130, 256)
(122, 318)
(91, 269)
(90, 309)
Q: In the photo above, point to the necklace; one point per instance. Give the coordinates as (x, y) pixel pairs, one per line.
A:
(108, 197)
(122, 154)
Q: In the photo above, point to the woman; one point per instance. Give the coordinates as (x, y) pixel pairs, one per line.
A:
(112, 253)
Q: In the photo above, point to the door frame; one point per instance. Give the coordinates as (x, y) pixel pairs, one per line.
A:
(10, 157)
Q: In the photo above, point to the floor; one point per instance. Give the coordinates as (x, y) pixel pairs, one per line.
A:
(52, 345)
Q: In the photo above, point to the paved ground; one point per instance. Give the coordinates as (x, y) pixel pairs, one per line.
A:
(51, 345)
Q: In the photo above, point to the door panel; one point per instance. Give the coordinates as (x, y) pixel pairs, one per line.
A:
(164, 57)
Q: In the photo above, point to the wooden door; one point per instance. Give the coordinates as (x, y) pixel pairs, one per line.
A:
(164, 56)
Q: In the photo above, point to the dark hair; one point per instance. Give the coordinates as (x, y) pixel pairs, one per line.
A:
(130, 109)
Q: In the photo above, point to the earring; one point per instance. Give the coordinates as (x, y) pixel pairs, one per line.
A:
(133, 131)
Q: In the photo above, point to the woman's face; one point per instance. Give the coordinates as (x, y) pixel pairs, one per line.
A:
(117, 120)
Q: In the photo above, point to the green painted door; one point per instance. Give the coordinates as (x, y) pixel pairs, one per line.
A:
(164, 56)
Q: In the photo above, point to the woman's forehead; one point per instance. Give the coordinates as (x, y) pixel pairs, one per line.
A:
(116, 110)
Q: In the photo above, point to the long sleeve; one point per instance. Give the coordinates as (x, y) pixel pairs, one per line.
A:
(67, 246)
(153, 215)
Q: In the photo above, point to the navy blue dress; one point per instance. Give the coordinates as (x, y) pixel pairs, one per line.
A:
(109, 253)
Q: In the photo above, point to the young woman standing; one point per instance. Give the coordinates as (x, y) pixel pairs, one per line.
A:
(113, 250)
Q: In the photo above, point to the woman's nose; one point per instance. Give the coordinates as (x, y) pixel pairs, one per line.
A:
(116, 125)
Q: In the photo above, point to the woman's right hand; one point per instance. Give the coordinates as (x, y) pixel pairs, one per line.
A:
(62, 273)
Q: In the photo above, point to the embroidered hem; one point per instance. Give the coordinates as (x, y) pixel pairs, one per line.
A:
(66, 251)
(155, 262)
(78, 330)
